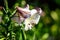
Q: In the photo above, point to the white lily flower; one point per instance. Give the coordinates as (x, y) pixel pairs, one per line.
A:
(33, 19)
(29, 17)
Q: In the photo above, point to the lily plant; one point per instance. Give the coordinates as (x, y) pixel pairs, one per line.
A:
(21, 16)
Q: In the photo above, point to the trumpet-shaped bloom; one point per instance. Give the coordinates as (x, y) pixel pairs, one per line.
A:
(29, 17)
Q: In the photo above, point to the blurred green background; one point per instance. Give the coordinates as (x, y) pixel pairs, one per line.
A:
(48, 27)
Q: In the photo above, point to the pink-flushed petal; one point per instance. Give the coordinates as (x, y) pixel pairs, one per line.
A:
(24, 12)
(22, 9)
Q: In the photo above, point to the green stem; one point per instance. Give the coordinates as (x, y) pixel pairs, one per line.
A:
(6, 5)
(24, 35)
(13, 13)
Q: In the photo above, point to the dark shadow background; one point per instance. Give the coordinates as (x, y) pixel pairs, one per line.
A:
(51, 3)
